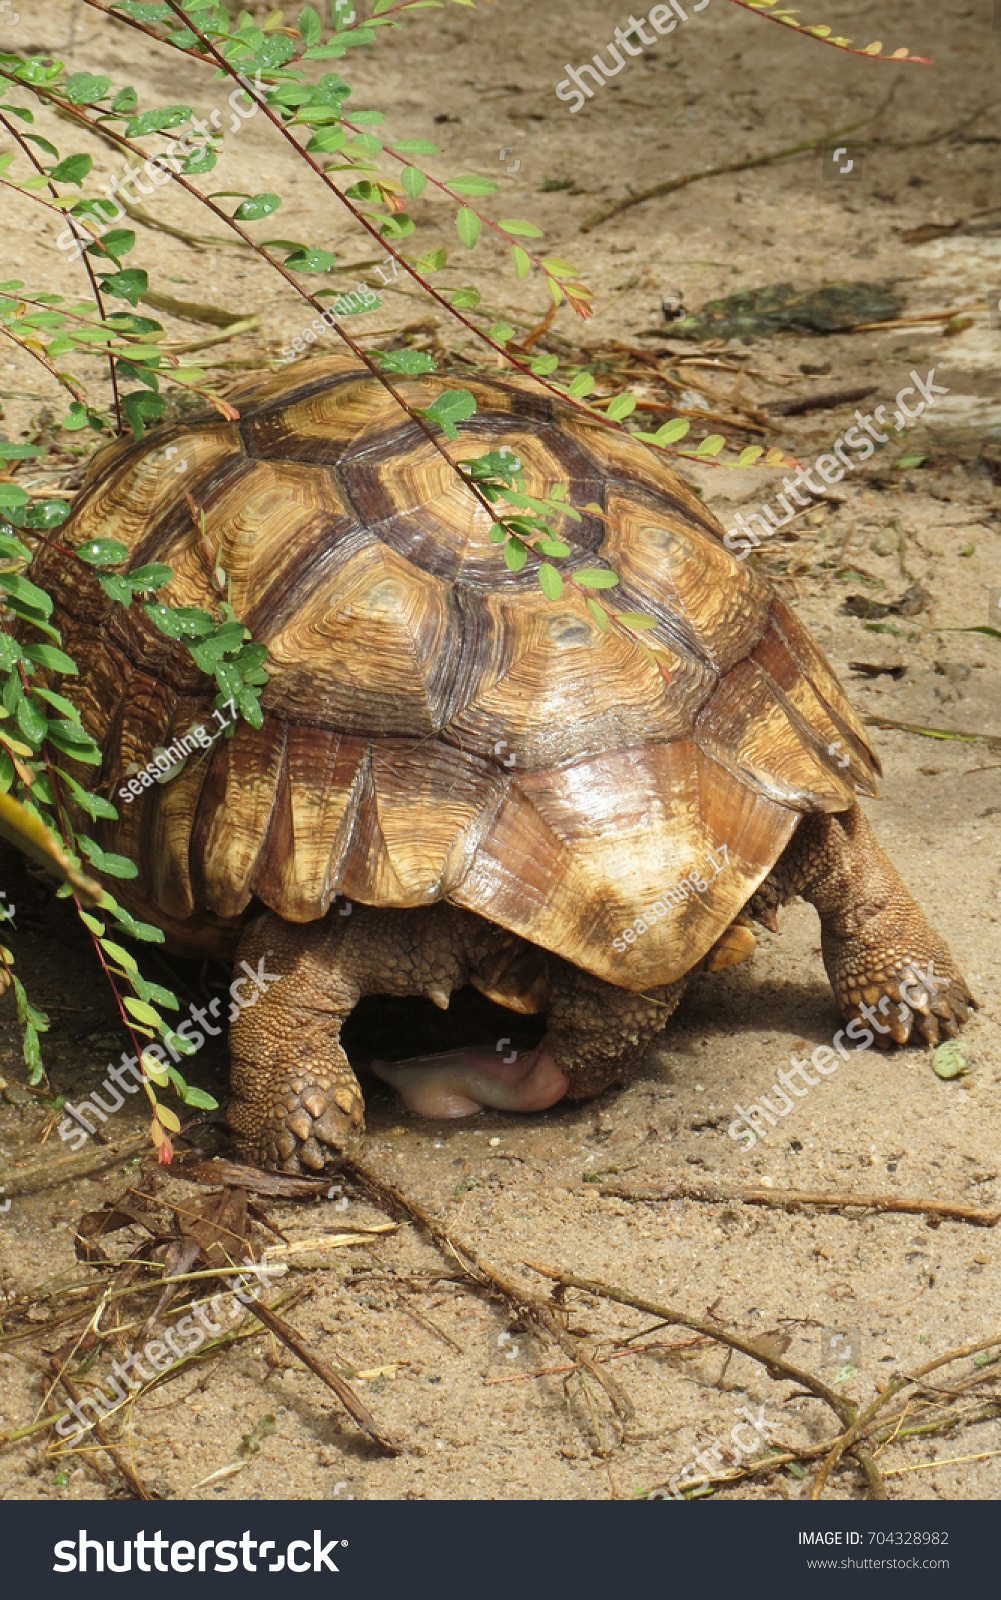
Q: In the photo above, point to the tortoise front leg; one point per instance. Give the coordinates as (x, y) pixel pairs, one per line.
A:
(293, 1088)
(295, 1097)
(873, 935)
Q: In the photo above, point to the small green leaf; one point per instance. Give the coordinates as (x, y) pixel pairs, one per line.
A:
(144, 1013)
(515, 555)
(117, 589)
(636, 619)
(19, 588)
(550, 581)
(622, 406)
(748, 457)
(406, 361)
(310, 261)
(156, 121)
(582, 385)
(669, 433)
(416, 147)
(711, 445)
(949, 1060)
(413, 181)
(310, 30)
(130, 285)
(156, 1071)
(599, 616)
(102, 552)
(259, 205)
(524, 230)
(200, 1099)
(455, 405)
(596, 578)
(467, 225)
(73, 170)
(30, 720)
(542, 366)
(470, 184)
(151, 577)
(83, 88)
(115, 866)
(119, 954)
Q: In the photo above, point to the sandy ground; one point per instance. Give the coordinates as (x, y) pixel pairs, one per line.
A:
(457, 1393)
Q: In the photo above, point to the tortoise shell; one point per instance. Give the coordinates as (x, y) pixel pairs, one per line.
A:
(434, 727)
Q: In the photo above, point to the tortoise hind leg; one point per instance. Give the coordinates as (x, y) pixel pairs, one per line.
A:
(877, 946)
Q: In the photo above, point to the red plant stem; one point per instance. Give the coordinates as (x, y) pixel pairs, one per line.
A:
(921, 61)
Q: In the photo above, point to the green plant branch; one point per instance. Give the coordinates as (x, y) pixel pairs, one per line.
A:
(95, 288)
(43, 360)
(821, 32)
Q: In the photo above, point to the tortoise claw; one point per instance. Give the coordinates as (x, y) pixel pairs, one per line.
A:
(308, 1122)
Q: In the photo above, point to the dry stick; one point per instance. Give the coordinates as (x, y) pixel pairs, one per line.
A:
(523, 1304)
(138, 1489)
(843, 1409)
(613, 1355)
(344, 1392)
(892, 1389)
(715, 1193)
(78, 235)
(45, 1174)
(730, 166)
(914, 322)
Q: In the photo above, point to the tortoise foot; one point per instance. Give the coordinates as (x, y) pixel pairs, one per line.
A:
(304, 1123)
(911, 994)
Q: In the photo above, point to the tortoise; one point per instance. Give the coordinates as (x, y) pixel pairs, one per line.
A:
(458, 781)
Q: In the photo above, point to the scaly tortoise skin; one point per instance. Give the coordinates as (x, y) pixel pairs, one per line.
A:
(500, 790)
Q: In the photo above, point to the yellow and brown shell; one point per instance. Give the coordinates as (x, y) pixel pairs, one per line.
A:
(434, 727)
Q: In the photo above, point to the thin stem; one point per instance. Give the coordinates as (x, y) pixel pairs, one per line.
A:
(43, 360)
(78, 237)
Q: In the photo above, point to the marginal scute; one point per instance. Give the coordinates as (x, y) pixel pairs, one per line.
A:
(434, 727)
(750, 728)
(234, 814)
